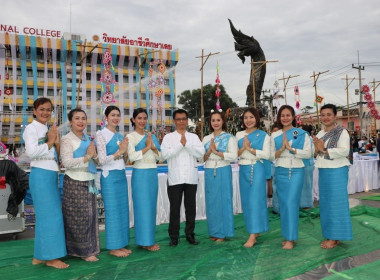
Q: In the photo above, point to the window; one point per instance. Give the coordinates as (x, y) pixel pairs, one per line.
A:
(167, 97)
(50, 92)
(126, 112)
(168, 113)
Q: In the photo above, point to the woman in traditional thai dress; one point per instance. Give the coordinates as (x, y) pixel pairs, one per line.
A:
(291, 146)
(254, 148)
(332, 146)
(307, 188)
(79, 204)
(112, 149)
(144, 151)
(221, 149)
(42, 146)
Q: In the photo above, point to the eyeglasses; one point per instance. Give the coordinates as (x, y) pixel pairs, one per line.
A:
(181, 119)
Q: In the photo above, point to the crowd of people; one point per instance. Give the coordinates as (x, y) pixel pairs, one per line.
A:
(284, 159)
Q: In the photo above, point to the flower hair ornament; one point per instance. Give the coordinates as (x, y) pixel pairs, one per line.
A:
(295, 134)
(219, 110)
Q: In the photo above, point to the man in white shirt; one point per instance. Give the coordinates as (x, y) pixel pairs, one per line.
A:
(181, 149)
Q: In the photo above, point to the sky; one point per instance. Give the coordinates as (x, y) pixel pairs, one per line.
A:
(304, 36)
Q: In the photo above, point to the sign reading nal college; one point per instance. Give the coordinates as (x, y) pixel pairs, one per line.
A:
(30, 31)
(123, 40)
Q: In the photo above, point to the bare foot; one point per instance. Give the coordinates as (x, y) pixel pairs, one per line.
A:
(57, 264)
(251, 241)
(37, 261)
(126, 250)
(220, 240)
(119, 253)
(213, 238)
(90, 259)
(329, 244)
(288, 245)
(152, 248)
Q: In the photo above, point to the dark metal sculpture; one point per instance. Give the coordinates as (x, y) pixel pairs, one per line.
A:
(249, 46)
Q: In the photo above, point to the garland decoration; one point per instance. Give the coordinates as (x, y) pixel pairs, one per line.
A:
(217, 91)
(370, 104)
(107, 79)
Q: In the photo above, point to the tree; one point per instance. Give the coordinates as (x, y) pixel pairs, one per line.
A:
(191, 101)
(307, 109)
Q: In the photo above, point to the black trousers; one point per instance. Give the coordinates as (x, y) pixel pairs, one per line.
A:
(175, 193)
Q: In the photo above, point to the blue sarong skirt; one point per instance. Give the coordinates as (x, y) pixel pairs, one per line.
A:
(253, 197)
(115, 199)
(49, 241)
(144, 196)
(289, 190)
(219, 208)
(333, 203)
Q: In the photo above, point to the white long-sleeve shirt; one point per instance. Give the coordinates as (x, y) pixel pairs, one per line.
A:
(230, 154)
(142, 161)
(338, 155)
(182, 160)
(247, 158)
(107, 162)
(289, 160)
(40, 155)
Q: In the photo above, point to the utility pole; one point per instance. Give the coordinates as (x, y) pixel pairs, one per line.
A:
(286, 80)
(374, 86)
(315, 77)
(83, 58)
(348, 104)
(360, 68)
(201, 69)
(253, 71)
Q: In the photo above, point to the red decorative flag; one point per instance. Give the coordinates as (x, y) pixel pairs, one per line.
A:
(319, 99)
(217, 92)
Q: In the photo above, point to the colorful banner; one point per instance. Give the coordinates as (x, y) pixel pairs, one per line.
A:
(120, 73)
(2, 79)
(131, 84)
(33, 60)
(74, 74)
(24, 78)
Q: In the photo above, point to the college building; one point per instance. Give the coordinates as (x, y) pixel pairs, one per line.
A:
(73, 73)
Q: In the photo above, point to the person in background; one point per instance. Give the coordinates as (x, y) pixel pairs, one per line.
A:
(112, 151)
(332, 146)
(221, 149)
(42, 146)
(144, 151)
(378, 144)
(363, 144)
(182, 149)
(79, 203)
(291, 146)
(307, 189)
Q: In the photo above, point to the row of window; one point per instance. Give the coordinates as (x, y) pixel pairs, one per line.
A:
(41, 74)
(40, 57)
(50, 92)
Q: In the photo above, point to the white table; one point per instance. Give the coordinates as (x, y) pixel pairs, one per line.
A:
(363, 176)
(163, 205)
